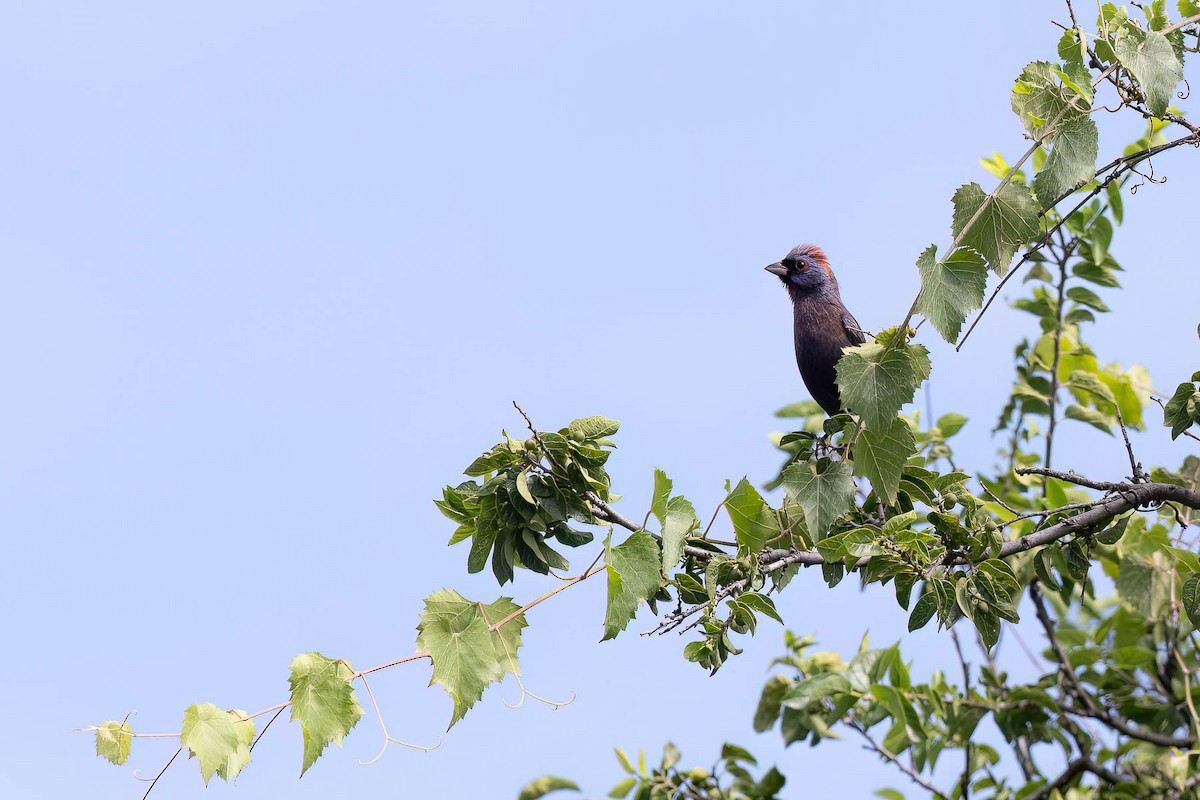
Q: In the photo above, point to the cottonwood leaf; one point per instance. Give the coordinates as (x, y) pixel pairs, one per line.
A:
(1008, 220)
(323, 702)
(876, 381)
(753, 522)
(679, 521)
(879, 456)
(823, 492)
(208, 733)
(633, 578)
(466, 659)
(950, 289)
(1150, 58)
(1072, 161)
(114, 740)
(544, 786)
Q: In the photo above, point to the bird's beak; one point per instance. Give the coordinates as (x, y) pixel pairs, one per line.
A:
(777, 269)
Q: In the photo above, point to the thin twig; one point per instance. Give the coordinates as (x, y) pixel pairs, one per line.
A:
(154, 782)
(891, 758)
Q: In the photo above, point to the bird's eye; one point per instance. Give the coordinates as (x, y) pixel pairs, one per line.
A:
(794, 264)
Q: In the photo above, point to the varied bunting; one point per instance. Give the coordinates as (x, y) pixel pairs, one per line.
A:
(822, 325)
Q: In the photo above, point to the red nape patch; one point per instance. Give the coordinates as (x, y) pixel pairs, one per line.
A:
(818, 256)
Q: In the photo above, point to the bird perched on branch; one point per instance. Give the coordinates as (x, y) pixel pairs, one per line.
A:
(822, 325)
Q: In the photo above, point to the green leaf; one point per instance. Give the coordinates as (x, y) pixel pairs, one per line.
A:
(1145, 584)
(243, 726)
(950, 289)
(622, 788)
(753, 521)
(769, 702)
(1091, 416)
(825, 492)
(1038, 99)
(1074, 73)
(113, 741)
(1007, 221)
(1150, 58)
(1182, 409)
(879, 456)
(455, 634)
(923, 611)
(498, 458)
(1072, 161)
(662, 493)
(633, 578)
(801, 408)
(760, 603)
(323, 702)
(506, 640)
(593, 427)
(950, 424)
(679, 521)
(816, 688)
(876, 381)
(1090, 383)
(209, 734)
(1191, 602)
(486, 531)
(1113, 534)
(1043, 564)
(1086, 297)
(544, 786)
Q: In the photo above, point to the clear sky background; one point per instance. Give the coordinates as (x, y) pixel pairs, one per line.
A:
(273, 273)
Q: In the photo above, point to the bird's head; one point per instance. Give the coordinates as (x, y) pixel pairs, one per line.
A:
(805, 271)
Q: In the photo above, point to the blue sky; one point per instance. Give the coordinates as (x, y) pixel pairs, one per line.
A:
(274, 273)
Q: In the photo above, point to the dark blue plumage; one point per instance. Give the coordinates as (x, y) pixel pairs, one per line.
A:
(822, 325)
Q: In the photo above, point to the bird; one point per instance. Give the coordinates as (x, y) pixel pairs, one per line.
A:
(822, 325)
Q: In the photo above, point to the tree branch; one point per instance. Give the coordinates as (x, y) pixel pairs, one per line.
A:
(1090, 708)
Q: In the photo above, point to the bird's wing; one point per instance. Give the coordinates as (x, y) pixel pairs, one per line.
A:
(854, 333)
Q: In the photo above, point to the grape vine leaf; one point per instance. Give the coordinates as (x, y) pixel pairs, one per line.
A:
(113, 741)
(323, 702)
(950, 289)
(1150, 58)
(679, 521)
(879, 456)
(465, 658)
(633, 578)
(210, 734)
(753, 521)
(1007, 221)
(824, 491)
(876, 380)
(1072, 160)
(662, 493)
